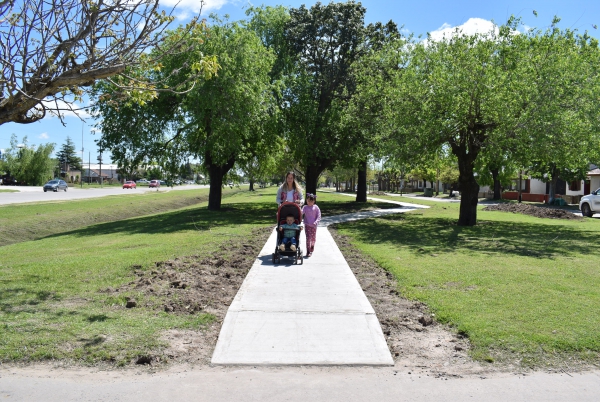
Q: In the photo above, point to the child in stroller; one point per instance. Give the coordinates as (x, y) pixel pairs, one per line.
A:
(289, 217)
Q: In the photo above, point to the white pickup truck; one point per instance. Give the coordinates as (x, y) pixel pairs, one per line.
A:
(590, 204)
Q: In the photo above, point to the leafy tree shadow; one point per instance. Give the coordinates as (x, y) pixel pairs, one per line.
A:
(199, 219)
(442, 235)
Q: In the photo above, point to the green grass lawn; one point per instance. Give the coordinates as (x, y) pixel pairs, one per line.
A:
(521, 288)
(57, 257)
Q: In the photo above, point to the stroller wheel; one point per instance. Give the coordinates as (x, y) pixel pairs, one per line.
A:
(301, 260)
(273, 258)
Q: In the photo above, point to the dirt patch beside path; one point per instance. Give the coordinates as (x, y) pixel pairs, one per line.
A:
(193, 285)
(539, 211)
(417, 342)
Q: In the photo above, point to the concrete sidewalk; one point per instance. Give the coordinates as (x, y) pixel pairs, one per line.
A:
(276, 384)
(315, 313)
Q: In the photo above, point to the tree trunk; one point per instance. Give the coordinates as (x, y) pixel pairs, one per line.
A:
(469, 189)
(312, 178)
(497, 193)
(468, 186)
(552, 189)
(216, 174)
(251, 188)
(361, 190)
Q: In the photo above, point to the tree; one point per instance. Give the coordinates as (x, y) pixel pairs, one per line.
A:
(67, 156)
(563, 121)
(324, 42)
(364, 121)
(28, 164)
(216, 120)
(262, 163)
(53, 51)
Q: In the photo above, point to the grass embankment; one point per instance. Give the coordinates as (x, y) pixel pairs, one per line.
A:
(521, 288)
(60, 259)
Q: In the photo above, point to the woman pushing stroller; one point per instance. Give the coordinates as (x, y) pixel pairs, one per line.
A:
(290, 191)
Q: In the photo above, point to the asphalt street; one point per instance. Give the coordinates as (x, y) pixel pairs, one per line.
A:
(27, 194)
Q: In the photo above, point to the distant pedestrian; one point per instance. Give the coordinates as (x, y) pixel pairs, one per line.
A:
(312, 217)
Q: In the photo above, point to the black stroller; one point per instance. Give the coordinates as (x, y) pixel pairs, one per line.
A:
(285, 209)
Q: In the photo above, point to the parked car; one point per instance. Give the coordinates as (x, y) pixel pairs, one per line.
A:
(56, 185)
(129, 184)
(142, 181)
(590, 204)
(163, 183)
(154, 183)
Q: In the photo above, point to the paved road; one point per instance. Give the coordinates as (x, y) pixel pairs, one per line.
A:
(27, 194)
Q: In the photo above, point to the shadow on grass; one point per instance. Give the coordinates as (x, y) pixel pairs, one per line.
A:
(199, 219)
(425, 235)
(23, 297)
(340, 207)
(97, 318)
(95, 341)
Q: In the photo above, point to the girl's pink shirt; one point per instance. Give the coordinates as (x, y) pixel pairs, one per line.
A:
(312, 215)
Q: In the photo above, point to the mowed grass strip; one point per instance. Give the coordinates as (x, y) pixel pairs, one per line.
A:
(521, 288)
(52, 304)
(32, 221)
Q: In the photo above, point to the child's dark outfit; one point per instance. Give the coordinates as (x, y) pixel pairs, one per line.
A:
(312, 217)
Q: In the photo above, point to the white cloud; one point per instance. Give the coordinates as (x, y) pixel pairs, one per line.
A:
(471, 27)
(43, 136)
(194, 5)
(66, 109)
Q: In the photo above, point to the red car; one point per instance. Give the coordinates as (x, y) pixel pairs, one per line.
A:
(154, 183)
(129, 184)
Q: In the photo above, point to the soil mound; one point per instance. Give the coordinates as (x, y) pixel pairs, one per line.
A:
(539, 211)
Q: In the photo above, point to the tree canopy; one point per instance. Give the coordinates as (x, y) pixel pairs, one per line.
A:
(67, 156)
(216, 120)
(481, 94)
(52, 52)
(28, 164)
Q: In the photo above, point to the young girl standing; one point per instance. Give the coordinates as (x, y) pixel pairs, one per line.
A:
(312, 217)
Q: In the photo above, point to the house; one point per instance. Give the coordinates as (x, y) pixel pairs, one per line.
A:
(535, 190)
(93, 174)
(593, 182)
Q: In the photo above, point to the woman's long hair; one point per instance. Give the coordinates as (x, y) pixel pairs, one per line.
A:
(295, 184)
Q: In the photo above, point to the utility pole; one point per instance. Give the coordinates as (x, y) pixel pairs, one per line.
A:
(81, 178)
(90, 167)
(100, 160)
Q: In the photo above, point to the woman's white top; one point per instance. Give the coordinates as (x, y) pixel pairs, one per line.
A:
(290, 196)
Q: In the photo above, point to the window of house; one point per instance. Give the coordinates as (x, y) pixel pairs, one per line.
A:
(575, 185)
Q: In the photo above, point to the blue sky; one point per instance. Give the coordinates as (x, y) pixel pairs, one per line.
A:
(417, 17)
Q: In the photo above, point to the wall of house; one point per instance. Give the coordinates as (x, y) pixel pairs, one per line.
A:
(537, 186)
(575, 192)
(594, 183)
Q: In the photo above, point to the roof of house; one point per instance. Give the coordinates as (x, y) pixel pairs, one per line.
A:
(595, 172)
